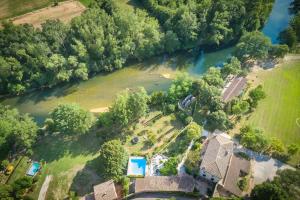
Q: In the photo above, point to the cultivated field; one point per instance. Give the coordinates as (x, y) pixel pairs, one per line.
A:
(65, 11)
(277, 115)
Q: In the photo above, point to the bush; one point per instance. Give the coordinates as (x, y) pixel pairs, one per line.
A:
(125, 182)
(188, 120)
(243, 183)
(151, 138)
(4, 164)
(170, 167)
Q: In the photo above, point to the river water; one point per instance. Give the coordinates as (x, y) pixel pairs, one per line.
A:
(155, 74)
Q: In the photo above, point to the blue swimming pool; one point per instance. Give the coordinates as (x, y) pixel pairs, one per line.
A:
(137, 166)
(34, 168)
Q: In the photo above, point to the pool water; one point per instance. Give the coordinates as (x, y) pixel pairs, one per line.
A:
(34, 169)
(136, 166)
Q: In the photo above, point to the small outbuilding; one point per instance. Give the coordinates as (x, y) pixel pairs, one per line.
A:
(184, 184)
(234, 88)
(105, 191)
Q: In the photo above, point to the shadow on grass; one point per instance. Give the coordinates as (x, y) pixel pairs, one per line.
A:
(86, 178)
(56, 146)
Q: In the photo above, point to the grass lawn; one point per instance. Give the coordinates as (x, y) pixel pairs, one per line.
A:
(71, 160)
(12, 8)
(67, 159)
(277, 114)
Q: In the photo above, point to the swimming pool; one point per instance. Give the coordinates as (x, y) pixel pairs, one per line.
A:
(34, 168)
(136, 166)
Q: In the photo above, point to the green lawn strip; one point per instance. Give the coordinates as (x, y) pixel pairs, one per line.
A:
(277, 113)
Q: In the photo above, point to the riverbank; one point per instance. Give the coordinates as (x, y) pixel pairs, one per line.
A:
(99, 92)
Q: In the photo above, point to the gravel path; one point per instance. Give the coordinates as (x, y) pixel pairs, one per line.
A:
(43, 192)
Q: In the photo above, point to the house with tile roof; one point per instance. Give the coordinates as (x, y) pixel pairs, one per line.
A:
(221, 166)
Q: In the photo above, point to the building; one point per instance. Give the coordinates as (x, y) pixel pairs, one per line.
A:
(234, 88)
(105, 191)
(216, 153)
(184, 183)
(222, 167)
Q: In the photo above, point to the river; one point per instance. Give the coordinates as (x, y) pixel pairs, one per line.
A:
(155, 74)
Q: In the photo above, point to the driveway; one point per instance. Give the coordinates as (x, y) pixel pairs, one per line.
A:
(264, 167)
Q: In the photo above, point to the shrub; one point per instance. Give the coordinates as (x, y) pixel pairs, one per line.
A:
(4, 164)
(243, 183)
(125, 182)
(170, 167)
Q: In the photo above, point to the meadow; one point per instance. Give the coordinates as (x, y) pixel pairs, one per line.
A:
(12, 8)
(278, 113)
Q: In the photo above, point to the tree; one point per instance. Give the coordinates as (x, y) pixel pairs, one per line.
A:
(193, 131)
(71, 119)
(253, 45)
(217, 120)
(205, 93)
(21, 185)
(254, 139)
(180, 88)
(289, 181)
(278, 51)
(172, 42)
(289, 37)
(170, 167)
(192, 161)
(276, 147)
(17, 131)
(292, 149)
(187, 27)
(213, 77)
(256, 95)
(138, 103)
(6, 192)
(129, 106)
(233, 67)
(240, 107)
(158, 98)
(268, 191)
(113, 159)
(295, 6)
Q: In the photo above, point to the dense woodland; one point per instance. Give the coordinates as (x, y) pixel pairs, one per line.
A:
(291, 35)
(104, 38)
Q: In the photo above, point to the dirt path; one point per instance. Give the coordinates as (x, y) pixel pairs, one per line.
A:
(43, 191)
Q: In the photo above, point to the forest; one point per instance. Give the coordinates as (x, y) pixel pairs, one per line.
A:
(105, 38)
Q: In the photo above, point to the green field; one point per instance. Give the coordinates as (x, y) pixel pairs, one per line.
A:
(277, 114)
(12, 8)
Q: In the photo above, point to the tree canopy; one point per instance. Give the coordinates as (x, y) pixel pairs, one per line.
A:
(113, 159)
(71, 119)
(105, 37)
(285, 186)
(17, 131)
